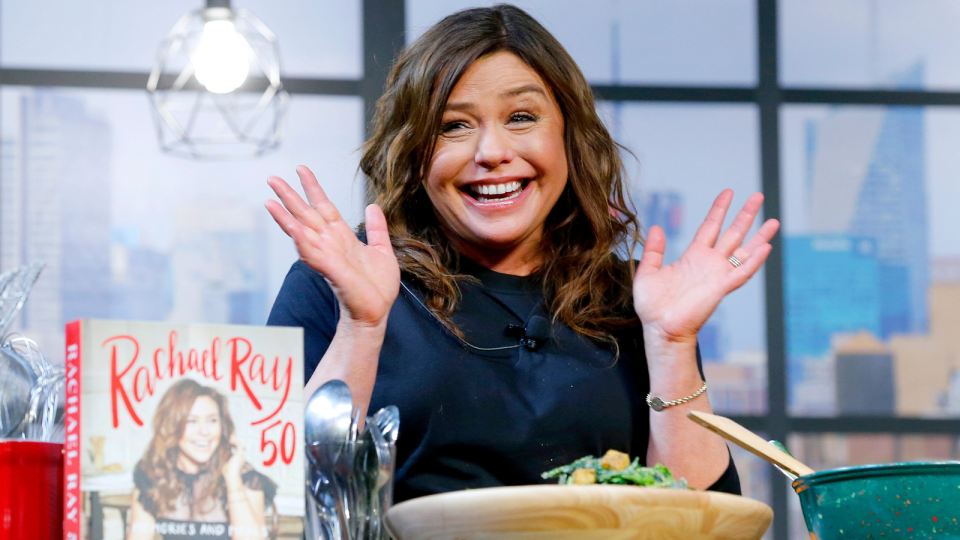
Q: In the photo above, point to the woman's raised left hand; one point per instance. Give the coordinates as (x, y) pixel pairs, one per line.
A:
(233, 468)
(674, 301)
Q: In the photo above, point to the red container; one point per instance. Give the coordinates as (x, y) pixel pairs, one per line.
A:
(31, 490)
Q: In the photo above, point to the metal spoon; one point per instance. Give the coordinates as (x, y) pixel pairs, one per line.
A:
(388, 420)
(346, 467)
(355, 426)
(327, 426)
(322, 518)
(327, 414)
(314, 524)
(380, 476)
(365, 461)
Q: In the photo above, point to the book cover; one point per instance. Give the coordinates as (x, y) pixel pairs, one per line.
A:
(183, 431)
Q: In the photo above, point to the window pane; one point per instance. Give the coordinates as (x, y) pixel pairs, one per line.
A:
(687, 155)
(127, 232)
(316, 38)
(872, 260)
(870, 43)
(822, 451)
(636, 42)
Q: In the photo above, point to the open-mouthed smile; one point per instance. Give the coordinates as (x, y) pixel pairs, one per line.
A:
(495, 191)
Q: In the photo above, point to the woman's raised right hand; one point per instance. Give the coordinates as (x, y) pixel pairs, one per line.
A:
(364, 277)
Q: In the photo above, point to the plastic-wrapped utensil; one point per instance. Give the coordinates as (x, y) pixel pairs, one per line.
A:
(30, 387)
(31, 391)
(17, 380)
(15, 286)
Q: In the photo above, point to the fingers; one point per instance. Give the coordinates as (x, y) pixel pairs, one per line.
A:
(306, 239)
(745, 271)
(763, 236)
(709, 231)
(733, 236)
(754, 253)
(296, 206)
(653, 248)
(284, 219)
(315, 194)
(321, 250)
(376, 226)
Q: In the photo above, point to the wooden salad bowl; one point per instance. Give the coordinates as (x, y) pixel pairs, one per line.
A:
(590, 512)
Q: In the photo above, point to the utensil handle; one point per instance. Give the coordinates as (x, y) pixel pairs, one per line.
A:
(748, 440)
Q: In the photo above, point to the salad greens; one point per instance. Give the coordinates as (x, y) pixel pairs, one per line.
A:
(590, 470)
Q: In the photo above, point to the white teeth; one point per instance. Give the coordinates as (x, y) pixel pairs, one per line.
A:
(501, 199)
(496, 189)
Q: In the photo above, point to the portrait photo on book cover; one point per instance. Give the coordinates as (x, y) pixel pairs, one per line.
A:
(194, 481)
(183, 431)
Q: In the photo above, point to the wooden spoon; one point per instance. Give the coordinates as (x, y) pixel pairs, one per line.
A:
(748, 440)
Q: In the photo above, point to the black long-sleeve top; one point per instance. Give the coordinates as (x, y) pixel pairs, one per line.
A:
(471, 418)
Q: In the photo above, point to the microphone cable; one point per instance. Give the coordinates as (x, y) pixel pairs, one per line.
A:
(530, 342)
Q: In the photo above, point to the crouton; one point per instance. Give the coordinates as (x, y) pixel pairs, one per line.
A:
(617, 461)
(584, 476)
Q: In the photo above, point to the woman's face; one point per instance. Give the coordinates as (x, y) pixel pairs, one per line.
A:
(500, 164)
(201, 435)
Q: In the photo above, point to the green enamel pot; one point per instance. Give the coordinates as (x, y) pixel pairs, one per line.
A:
(895, 501)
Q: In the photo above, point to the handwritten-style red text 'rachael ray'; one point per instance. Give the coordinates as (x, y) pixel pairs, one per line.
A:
(132, 377)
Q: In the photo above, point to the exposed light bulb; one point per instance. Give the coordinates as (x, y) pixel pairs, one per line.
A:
(222, 57)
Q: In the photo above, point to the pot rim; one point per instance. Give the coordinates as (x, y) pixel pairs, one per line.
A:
(875, 470)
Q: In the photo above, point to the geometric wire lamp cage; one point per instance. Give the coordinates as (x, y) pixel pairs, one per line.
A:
(215, 87)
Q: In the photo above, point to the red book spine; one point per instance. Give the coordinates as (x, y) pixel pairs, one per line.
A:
(71, 449)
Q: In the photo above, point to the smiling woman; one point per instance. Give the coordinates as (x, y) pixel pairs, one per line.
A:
(521, 340)
(499, 165)
(193, 479)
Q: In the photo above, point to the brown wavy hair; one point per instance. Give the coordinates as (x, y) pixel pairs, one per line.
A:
(159, 462)
(586, 285)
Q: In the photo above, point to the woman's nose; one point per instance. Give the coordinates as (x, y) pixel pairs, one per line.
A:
(493, 148)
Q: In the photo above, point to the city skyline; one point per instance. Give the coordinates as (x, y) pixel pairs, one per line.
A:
(126, 232)
(860, 242)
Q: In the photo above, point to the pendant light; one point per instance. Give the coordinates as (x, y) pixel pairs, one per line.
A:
(215, 87)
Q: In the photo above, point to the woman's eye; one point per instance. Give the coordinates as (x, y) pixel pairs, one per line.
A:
(523, 117)
(447, 127)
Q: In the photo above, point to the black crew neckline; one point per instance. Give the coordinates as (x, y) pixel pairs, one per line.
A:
(499, 282)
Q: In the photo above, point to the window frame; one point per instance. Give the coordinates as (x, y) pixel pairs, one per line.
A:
(383, 28)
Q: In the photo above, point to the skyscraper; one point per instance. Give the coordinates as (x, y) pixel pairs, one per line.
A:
(832, 286)
(867, 179)
(866, 185)
(864, 377)
(217, 263)
(56, 209)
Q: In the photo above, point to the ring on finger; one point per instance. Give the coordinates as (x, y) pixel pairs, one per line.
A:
(734, 261)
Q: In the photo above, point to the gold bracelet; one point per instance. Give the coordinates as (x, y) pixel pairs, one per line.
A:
(658, 404)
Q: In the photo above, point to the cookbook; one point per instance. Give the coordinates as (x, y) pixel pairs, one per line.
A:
(182, 431)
